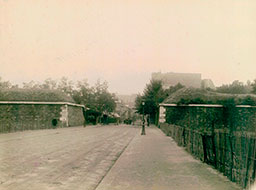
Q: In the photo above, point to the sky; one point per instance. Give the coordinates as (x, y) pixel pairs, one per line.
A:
(124, 41)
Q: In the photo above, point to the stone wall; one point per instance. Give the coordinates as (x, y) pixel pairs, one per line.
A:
(223, 137)
(29, 116)
(75, 116)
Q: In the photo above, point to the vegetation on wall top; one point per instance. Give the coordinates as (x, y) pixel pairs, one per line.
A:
(186, 96)
(46, 95)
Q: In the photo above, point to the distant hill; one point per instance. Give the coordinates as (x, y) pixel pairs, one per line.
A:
(128, 99)
(34, 95)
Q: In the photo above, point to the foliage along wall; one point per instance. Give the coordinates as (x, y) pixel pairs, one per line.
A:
(21, 116)
(223, 137)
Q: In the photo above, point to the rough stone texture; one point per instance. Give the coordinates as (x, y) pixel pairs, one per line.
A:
(222, 137)
(19, 117)
(75, 116)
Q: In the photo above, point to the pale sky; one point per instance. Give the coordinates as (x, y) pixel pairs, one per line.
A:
(124, 41)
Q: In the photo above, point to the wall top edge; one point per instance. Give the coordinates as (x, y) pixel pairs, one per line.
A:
(205, 105)
(41, 103)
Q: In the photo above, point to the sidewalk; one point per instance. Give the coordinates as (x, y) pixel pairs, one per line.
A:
(155, 162)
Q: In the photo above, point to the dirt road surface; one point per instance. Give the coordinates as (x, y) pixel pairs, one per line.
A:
(61, 159)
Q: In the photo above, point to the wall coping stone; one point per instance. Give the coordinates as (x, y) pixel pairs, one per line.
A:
(41, 103)
(204, 105)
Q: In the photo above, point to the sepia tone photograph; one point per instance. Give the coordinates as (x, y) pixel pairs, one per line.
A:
(127, 95)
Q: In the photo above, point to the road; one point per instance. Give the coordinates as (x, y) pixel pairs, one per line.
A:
(66, 158)
(102, 158)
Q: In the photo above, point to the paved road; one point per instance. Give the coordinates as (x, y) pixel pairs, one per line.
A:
(155, 162)
(101, 158)
(67, 158)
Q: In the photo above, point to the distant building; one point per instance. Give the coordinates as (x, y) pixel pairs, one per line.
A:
(171, 79)
(207, 83)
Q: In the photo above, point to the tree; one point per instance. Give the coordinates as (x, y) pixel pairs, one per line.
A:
(153, 95)
(31, 85)
(254, 86)
(97, 98)
(83, 93)
(66, 86)
(236, 87)
(104, 101)
(173, 89)
(5, 84)
(49, 84)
